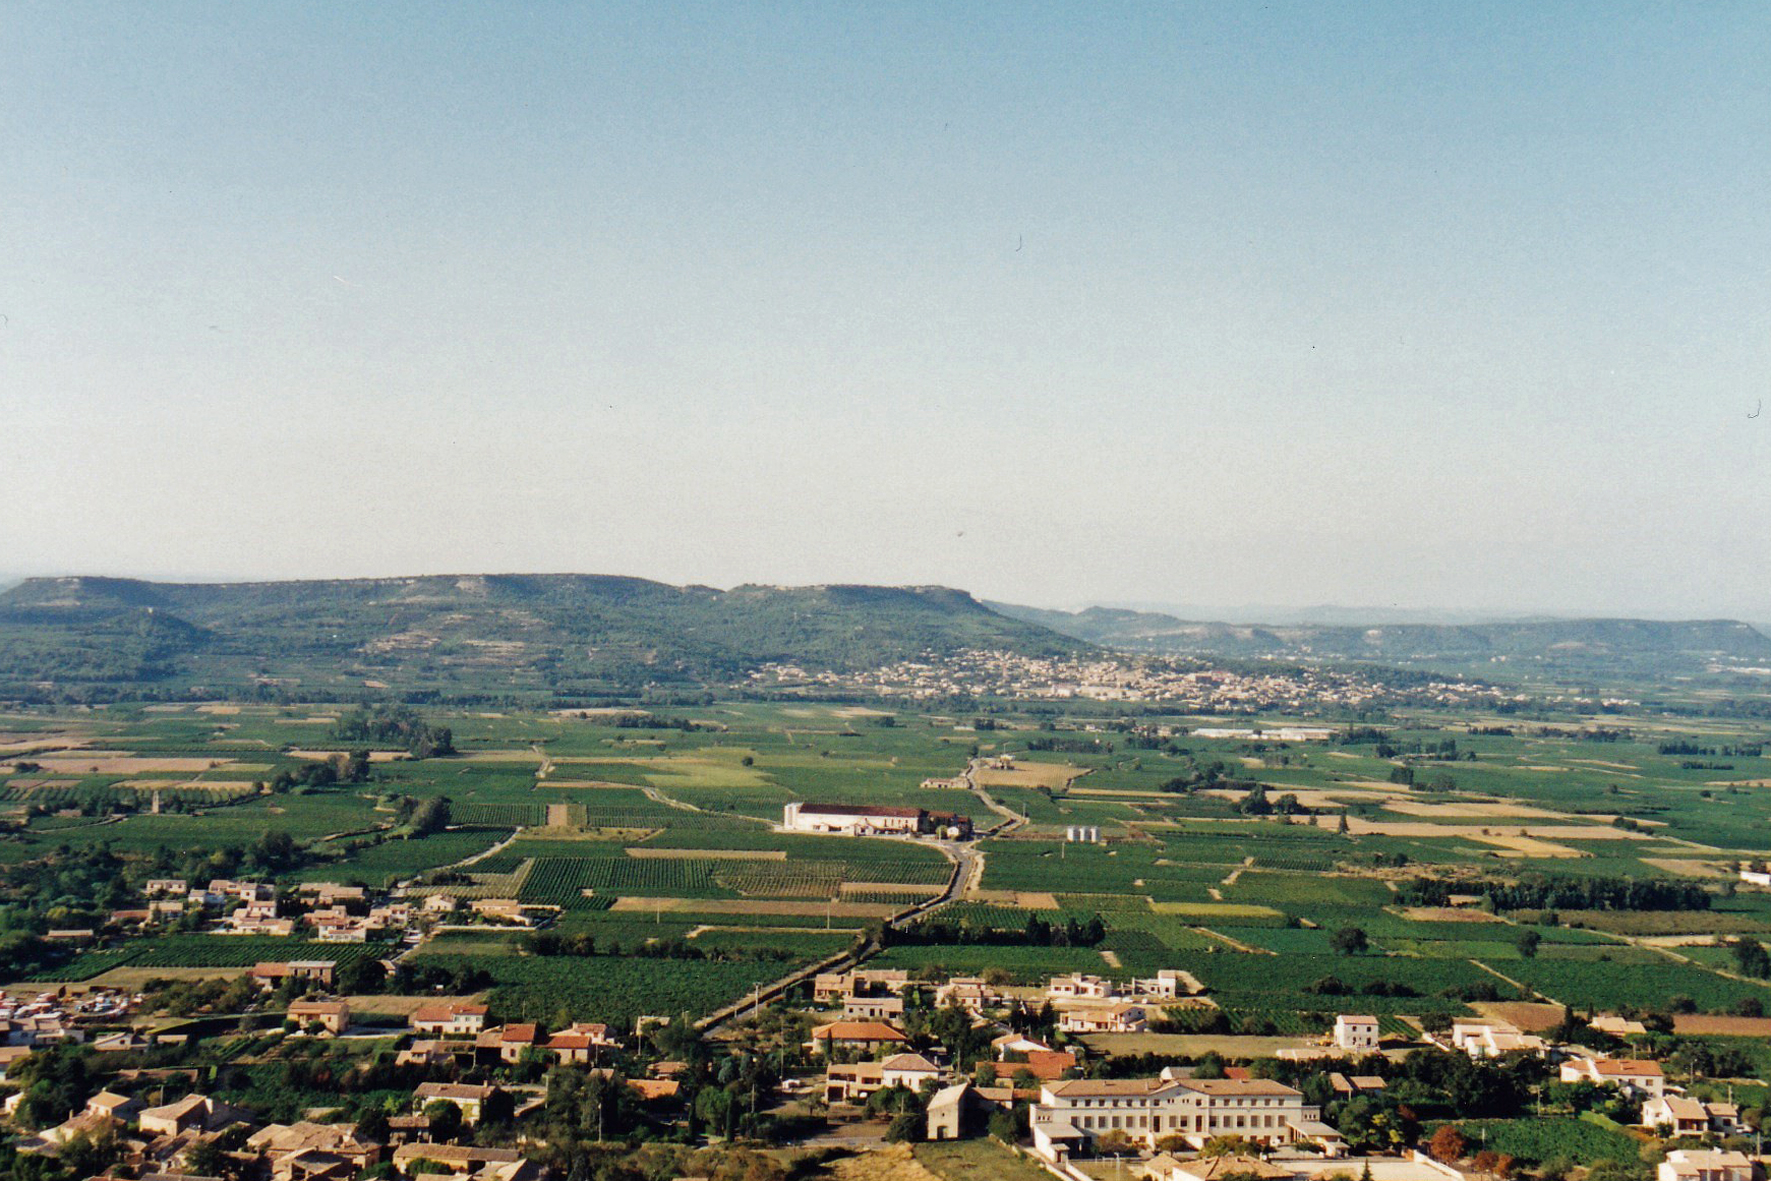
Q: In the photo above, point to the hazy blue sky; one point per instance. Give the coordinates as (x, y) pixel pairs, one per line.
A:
(1434, 305)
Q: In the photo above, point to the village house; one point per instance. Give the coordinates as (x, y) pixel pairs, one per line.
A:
(1492, 1039)
(835, 986)
(1079, 986)
(1633, 1076)
(1677, 1115)
(950, 1109)
(1168, 983)
(969, 993)
(581, 1043)
(1689, 1164)
(1356, 1032)
(165, 888)
(872, 1008)
(501, 910)
(509, 1042)
(866, 1036)
(302, 1150)
(193, 1113)
(1043, 1066)
(449, 1018)
(317, 973)
(332, 1016)
(1119, 1018)
(469, 1097)
(460, 1160)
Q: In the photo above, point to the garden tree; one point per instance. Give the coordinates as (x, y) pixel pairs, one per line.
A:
(1228, 1145)
(1613, 1169)
(1447, 1144)
(1751, 957)
(985, 1075)
(953, 1027)
(1210, 1065)
(55, 1080)
(1004, 1126)
(1350, 941)
(1114, 1142)
(445, 1120)
(1528, 942)
(905, 1126)
(1371, 1124)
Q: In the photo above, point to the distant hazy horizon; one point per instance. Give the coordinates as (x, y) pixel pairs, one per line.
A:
(1439, 308)
(1240, 614)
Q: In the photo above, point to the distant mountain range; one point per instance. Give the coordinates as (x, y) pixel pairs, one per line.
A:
(490, 634)
(580, 636)
(1565, 641)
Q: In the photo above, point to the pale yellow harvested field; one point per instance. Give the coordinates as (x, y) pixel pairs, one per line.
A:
(1035, 900)
(1529, 1016)
(1448, 914)
(1603, 763)
(647, 851)
(100, 762)
(1053, 775)
(228, 710)
(1320, 797)
(1711, 783)
(238, 786)
(506, 756)
(375, 756)
(906, 889)
(51, 741)
(1471, 811)
(1521, 846)
(1474, 832)
(1131, 792)
(1686, 867)
(841, 910)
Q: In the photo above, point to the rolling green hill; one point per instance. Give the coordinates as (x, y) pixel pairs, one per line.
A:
(477, 635)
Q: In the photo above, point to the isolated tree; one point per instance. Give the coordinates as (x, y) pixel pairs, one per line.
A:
(1350, 941)
(1447, 1144)
(1528, 941)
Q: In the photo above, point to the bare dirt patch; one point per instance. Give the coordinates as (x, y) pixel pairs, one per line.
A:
(1700, 1024)
(893, 1162)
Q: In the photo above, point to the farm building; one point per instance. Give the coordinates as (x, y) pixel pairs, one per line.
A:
(871, 820)
(1355, 1032)
(1631, 1075)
